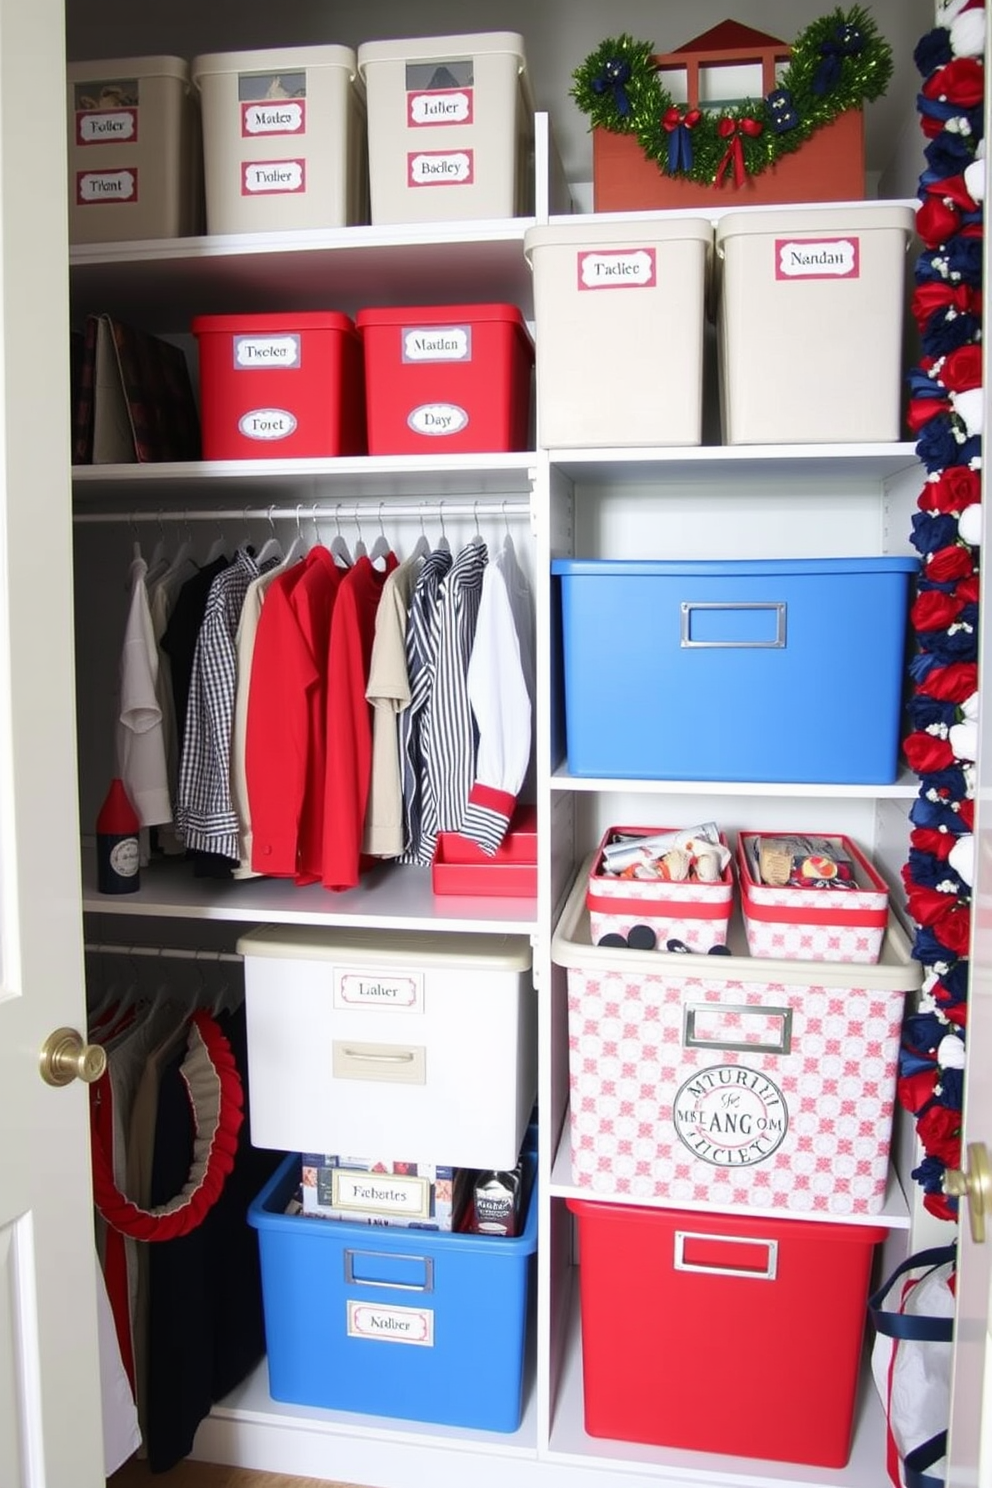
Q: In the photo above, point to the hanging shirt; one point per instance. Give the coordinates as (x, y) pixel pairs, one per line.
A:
(349, 721)
(449, 730)
(244, 645)
(181, 633)
(500, 690)
(140, 745)
(388, 692)
(205, 815)
(420, 639)
(285, 739)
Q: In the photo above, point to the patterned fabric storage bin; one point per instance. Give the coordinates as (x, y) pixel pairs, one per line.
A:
(813, 924)
(695, 913)
(731, 1081)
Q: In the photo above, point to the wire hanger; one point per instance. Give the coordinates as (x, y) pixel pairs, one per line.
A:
(339, 548)
(423, 545)
(442, 541)
(272, 546)
(476, 540)
(298, 546)
(361, 551)
(218, 548)
(380, 548)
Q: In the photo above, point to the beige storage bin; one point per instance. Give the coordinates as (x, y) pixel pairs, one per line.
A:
(619, 310)
(810, 320)
(283, 139)
(451, 127)
(134, 150)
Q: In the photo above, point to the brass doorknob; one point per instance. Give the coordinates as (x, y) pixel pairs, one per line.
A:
(65, 1057)
(974, 1184)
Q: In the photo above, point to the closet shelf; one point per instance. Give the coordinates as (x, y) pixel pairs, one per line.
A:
(905, 788)
(162, 283)
(894, 1214)
(778, 462)
(390, 897)
(362, 476)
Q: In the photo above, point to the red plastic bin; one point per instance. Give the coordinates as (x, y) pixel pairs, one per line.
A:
(280, 386)
(447, 379)
(722, 1332)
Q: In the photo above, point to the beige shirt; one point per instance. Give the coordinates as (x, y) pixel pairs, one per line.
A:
(388, 691)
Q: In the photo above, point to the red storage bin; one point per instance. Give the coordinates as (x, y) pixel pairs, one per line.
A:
(722, 1333)
(447, 379)
(280, 386)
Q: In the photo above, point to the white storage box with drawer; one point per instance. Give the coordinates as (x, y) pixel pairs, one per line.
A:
(422, 1044)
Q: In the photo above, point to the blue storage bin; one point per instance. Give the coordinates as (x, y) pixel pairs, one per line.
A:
(394, 1322)
(780, 669)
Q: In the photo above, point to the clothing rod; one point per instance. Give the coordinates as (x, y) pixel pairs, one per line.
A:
(308, 511)
(165, 953)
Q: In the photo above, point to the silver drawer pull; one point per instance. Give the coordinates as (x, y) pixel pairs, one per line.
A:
(695, 1036)
(713, 1267)
(689, 607)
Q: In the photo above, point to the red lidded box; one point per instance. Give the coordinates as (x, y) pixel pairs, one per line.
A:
(280, 386)
(447, 379)
(461, 867)
(722, 1332)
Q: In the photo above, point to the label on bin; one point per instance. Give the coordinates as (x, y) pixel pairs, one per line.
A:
(379, 989)
(730, 1116)
(617, 268)
(272, 103)
(437, 419)
(262, 177)
(109, 127)
(96, 188)
(266, 351)
(437, 343)
(819, 258)
(391, 1324)
(446, 106)
(405, 1194)
(440, 167)
(267, 423)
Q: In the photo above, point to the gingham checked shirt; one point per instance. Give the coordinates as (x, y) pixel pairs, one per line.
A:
(205, 817)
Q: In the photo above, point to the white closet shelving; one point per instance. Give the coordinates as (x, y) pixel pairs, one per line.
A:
(709, 501)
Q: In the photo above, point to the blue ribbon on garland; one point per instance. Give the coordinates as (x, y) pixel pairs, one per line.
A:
(847, 41)
(614, 76)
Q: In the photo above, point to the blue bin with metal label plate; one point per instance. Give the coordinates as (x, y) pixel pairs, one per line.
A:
(421, 1324)
(750, 669)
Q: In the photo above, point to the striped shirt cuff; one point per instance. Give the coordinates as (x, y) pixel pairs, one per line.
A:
(487, 816)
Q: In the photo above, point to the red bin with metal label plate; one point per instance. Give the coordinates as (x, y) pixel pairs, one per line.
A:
(722, 1333)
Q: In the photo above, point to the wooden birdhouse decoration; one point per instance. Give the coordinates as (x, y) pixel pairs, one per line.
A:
(760, 142)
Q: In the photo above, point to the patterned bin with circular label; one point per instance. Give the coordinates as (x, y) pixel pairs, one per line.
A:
(751, 1083)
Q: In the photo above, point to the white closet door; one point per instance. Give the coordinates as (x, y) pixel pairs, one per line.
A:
(50, 1423)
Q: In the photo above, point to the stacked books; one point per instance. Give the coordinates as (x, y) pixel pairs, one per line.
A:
(133, 398)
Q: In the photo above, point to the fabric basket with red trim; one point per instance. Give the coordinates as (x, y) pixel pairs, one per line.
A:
(815, 924)
(696, 913)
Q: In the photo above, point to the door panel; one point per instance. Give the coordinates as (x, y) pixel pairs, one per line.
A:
(50, 1421)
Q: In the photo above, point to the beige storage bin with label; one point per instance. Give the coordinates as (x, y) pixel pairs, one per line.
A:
(619, 310)
(283, 139)
(810, 321)
(451, 127)
(134, 150)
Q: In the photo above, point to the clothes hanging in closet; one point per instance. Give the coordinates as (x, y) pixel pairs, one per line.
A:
(141, 755)
(419, 662)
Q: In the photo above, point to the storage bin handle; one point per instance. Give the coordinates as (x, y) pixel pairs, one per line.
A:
(396, 1064)
(713, 1267)
(689, 606)
(427, 1285)
(780, 1045)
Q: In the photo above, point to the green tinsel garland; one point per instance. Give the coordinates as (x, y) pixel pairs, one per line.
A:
(852, 77)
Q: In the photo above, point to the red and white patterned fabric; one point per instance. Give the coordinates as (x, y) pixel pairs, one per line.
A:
(679, 1088)
(696, 913)
(815, 924)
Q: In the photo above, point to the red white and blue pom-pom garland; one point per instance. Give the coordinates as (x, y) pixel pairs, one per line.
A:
(945, 414)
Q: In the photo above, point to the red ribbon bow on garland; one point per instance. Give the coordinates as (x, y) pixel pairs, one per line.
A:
(732, 129)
